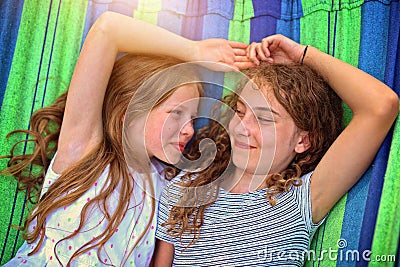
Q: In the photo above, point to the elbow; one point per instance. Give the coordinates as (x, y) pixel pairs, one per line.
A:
(390, 108)
(103, 23)
(102, 31)
(385, 107)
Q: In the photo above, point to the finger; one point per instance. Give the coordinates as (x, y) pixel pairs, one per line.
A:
(260, 53)
(252, 54)
(242, 59)
(271, 42)
(240, 52)
(241, 45)
(265, 47)
(244, 65)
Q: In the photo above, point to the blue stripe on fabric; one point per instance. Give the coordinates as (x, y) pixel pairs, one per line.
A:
(9, 25)
(51, 53)
(328, 49)
(373, 49)
(392, 74)
(217, 19)
(265, 18)
(289, 24)
(334, 33)
(353, 218)
(215, 25)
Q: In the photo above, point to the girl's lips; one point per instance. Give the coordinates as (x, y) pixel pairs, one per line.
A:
(243, 145)
(180, 146)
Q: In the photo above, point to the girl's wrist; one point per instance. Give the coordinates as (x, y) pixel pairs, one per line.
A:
(304, 54)
(190, 50)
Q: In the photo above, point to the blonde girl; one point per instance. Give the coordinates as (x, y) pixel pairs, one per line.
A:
(95, 208)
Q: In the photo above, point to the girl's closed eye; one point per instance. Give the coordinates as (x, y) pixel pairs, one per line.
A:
(264, 119)
(176, 112)
(239, 111)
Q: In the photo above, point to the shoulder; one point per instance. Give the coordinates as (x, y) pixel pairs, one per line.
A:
(305, 183)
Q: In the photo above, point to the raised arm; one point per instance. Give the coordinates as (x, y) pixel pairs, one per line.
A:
(374, 105)
(82, 125)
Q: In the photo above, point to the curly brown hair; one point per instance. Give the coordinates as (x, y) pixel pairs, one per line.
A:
(313, 106)
(130, 72)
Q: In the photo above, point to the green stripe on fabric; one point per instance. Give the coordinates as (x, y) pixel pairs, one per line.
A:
(239, 28)
(326, 32)
(347, 46)
(328, 236)
(316, 30)
(387, 229)
(311, 6)
(30, 68)
(239, 31)
(148, 10)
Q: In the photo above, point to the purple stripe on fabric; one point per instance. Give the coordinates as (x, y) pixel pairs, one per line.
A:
(125, 7)
(267, 7)
(262, 25)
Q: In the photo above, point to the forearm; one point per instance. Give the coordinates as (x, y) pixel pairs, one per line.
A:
(110, 34)
(127, 34)
(363, 93)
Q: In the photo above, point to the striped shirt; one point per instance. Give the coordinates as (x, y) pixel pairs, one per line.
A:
(245, 230)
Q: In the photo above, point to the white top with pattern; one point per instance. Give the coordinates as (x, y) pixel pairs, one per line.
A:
(64, 221)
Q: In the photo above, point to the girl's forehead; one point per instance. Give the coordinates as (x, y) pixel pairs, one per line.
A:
(261, 99)
(254, 96)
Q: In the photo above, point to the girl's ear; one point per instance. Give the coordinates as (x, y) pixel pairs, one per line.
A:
(303, 143)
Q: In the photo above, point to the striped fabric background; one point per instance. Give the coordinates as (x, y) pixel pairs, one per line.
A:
(40, 42)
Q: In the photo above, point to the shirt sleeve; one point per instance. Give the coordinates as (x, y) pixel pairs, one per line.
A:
(50, 177)
(164, 209)
(303, 193)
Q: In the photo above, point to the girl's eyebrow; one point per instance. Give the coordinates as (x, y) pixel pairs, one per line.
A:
(267, 109)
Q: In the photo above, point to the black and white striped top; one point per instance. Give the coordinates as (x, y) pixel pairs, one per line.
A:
(245, 230)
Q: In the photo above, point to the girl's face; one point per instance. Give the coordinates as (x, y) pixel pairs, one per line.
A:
(264, 137)
(169, 126)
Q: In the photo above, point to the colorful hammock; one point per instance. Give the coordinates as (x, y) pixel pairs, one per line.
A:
(40, 42)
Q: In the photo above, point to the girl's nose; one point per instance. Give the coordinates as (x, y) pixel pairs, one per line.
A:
(187, 129)
(244, 125)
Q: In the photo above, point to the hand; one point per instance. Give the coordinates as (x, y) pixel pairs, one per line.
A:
(220, 51)
(275, 49)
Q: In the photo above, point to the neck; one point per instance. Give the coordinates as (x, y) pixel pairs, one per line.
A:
(239, 181)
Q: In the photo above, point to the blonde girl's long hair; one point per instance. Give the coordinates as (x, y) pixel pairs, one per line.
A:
(130, 72)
